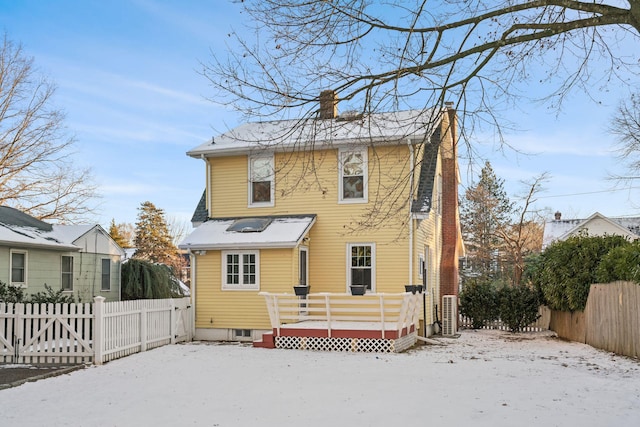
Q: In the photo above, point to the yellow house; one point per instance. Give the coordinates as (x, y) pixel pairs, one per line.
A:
(327, 202)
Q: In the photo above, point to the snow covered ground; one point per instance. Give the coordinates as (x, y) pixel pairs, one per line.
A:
(483, 378)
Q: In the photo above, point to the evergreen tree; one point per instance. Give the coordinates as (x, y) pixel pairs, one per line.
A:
(116, 235)
(153, 242)
(485, 213)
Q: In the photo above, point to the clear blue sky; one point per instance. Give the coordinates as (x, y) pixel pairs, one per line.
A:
(127, 79)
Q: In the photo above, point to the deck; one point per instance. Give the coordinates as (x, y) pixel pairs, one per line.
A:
(373, 322)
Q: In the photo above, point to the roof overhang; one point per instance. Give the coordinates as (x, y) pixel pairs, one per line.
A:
(282, 232)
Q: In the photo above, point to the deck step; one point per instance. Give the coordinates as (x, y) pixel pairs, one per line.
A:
(268, 341)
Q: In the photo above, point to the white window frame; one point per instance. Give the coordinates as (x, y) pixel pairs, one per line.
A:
(305, 250)
(24, 283)
(342, 153)
(102, 274)
(373, 264)
(68, 273)
(240, 286)
(270, 178)
(421, 265)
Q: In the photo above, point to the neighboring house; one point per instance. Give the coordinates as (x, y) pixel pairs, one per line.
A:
(596, 225)
(82, 260)
(326, 202)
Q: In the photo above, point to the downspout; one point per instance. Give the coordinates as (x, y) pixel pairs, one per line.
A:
(207, 177)
(192, 291)
(411, 184)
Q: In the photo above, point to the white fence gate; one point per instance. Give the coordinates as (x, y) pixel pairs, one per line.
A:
(84, 333)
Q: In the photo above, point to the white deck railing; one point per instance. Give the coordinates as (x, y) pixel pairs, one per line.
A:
(385, 311)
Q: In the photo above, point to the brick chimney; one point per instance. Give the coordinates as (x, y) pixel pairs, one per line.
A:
(328, 104)
(450, 218)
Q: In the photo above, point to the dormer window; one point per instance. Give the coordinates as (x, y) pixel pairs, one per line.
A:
(353, 175)
(261, 174)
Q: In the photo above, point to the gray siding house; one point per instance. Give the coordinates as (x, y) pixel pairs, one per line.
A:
(82, 260)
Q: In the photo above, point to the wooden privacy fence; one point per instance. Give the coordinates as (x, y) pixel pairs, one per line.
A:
(610, 320)
(85, 333)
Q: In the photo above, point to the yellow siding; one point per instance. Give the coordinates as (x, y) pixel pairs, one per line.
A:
(240, 309)
(307, 183)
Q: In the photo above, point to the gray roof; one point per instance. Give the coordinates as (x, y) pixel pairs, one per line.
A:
(201, 214)
(12, 216)
(310, 134)
(428, 166)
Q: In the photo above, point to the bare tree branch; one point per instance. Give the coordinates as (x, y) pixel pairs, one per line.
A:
(37, 174)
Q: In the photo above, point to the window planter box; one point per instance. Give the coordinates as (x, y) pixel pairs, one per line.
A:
(358, 289)
(301, 290)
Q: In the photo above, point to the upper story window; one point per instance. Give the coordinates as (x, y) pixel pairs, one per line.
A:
(18, 268)
(67, 273)
(261, 176)
(353, 175)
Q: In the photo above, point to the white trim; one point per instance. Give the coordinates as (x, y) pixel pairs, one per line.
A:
(365, 175)
(421, 265)
(26, 269)
(271, 178)
(373, 264)
(304, 249)
(240, 286)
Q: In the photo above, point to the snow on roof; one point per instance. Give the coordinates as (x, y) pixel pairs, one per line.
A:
(16, 235)
(282, 232)
(556, 229)
(312, 133)
(70, 233)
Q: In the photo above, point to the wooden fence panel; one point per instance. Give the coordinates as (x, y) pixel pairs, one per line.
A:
(613, 317)
(98, 332)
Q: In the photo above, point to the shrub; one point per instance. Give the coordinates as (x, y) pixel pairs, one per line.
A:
(478, 302)
(567, 269)
(51, 296)
(11, 294)
(621, 263)
(145, 280)
(518, 306)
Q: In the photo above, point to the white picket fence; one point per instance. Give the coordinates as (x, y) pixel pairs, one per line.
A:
(90, 333)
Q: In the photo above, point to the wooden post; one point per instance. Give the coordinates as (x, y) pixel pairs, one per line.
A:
(98, 330)
(143, 329)
(172, 321)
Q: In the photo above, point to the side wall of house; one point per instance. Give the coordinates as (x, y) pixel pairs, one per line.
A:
(45, 267)
(240, 309)
(307, 183)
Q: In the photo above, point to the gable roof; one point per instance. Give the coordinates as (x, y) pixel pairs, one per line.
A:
(306, 134)
(22, 230)
(280, 232)
(563, 228)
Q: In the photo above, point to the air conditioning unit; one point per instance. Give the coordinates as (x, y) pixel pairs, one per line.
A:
(449, 315)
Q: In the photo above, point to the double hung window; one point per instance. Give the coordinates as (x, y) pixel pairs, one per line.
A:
(353, 175)
(106, 275)
(19, 268)
(261, 176)
(67, 273)
(361, 265)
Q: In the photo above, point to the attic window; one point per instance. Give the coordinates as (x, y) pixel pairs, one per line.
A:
(249, 225)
